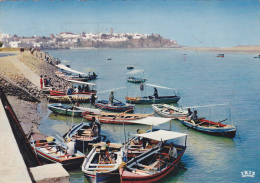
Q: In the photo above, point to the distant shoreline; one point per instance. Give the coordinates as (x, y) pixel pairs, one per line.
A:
(237, 49)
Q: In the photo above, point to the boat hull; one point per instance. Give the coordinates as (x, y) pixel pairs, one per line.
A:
(129, 177)
(82, 143)
(116, 118)
(63, 93)
(117, 107)
(66, 163)
(229, 132)
(65, 111)
(163, 110)
(152, 100)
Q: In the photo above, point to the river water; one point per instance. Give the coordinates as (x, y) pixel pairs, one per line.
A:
(201, 79)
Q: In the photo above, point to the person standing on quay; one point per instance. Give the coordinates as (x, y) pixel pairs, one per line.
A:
(41, 82)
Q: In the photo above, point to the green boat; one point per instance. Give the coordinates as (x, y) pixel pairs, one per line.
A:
(69, 110)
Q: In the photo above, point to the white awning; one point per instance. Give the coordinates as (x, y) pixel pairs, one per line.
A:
(61, 66)
(161, 135)
(135, 71)
(151, 121)
(114, 89)
(157, 86)
(81, 82)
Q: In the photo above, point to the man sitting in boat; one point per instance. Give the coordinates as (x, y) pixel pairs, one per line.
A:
(194, 117)
(104, 152)
(172, 152)
(70, 147)
(95, 126)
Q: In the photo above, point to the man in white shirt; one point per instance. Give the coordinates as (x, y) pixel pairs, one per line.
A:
(70, 147)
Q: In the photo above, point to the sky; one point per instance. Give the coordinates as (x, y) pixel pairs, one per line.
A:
(202, 23)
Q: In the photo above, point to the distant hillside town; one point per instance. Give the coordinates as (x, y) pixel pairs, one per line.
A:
(68, 40)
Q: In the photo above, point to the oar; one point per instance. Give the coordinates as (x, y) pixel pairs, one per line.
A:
(118, 101)
(223, 120)
(173, 165)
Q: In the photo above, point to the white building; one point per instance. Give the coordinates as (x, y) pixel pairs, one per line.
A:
(15, 44)
(3, 36)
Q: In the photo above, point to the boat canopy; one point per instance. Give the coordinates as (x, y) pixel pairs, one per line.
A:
(81, 82)
(61, 66)
(157, 86)
(205, 106)
(161, 135)
(112, 89)
(151, 121)
(135, 71)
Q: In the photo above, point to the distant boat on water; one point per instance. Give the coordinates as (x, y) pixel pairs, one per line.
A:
(130, 67)
(220, 55)
(109, 59)
(257, 56)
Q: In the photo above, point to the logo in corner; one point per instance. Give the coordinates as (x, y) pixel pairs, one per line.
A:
(248, 174)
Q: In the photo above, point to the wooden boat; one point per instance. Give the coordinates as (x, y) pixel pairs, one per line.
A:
(138, 145)
(101, 171)
(64, 93)
(210, 127)
(220, 55)
(70, 110)
(69, 99)
(169, 111)
(152, 100)
(81, 93)
(84, 134)
(54, 151)
(150, 166)
(117, 106)
(130, 67)
(135, 80)
(114, 118)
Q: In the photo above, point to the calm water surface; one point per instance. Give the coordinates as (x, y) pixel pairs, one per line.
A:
(201, 79)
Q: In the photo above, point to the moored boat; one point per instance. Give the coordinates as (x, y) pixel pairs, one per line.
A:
(84, 90)
(135, 80)
(169, 111)
(69, 99)
(52, 150)
(98, 168)
(114, 118)
(138, 145)
(210, 127)
(155, 98)
(152, 99)
(152, 166)
(116, 107)
(130, 67)
(220, 55)
(84, 134)
(70, 110)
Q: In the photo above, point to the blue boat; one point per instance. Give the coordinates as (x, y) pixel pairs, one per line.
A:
(98, 168)
(116, 107)
(152, 99)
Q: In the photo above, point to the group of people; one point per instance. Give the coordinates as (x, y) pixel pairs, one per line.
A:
(83, 88)
(45, 81)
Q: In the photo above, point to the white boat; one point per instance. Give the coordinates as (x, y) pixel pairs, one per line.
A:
(100, 171)
(169, 111)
